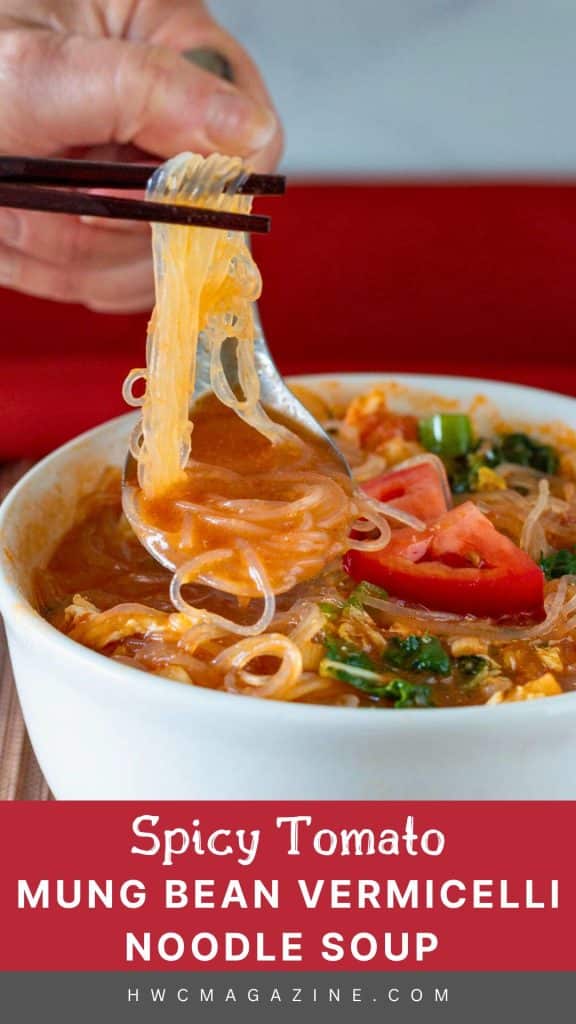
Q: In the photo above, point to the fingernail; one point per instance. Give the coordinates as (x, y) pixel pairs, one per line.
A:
(111, 225)
(9, 226)
(237, 123)
(210, 60)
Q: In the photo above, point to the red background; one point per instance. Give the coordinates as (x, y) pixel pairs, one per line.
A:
(458, 278)
(483, 840)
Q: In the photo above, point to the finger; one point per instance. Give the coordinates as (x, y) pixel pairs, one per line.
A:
(67, 241)
(60, 91)
(118, 227)
(139, 303)
(116, 288)
(184, 28)
(249, 80)
(113, 288)
(112, 153)
(131, 226)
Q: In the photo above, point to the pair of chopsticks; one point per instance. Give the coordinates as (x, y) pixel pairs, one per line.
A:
(19, 176)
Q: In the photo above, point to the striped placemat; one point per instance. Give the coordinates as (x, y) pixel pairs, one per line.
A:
(20, 776)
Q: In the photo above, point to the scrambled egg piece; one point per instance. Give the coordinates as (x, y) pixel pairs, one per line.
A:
(357, 628)
(363, 406)
(398, 450)
(489, 480)
(550, 658)
(465, 645)
(379, 429)
(545, 686)
(79, 611)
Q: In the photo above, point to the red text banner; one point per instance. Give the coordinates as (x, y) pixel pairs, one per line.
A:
(286, 886)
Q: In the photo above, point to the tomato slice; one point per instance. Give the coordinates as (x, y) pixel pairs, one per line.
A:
(460, 564)
(416, 489)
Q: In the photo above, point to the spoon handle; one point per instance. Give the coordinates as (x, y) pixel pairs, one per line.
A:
(274, 393)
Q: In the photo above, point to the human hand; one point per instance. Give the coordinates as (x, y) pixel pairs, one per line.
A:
(98, 79)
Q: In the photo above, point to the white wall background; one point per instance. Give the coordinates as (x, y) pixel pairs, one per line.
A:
(417, 86)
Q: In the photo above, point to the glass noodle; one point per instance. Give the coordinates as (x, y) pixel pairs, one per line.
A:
(248, 541)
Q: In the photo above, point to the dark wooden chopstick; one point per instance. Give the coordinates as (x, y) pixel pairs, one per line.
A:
(81, 203)
(96, 174)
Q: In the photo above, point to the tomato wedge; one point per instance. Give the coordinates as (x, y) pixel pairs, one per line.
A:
(460, 564)
(416, 489)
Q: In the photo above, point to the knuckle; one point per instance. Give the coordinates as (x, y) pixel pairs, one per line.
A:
(18, 55)
(143, 74)
(18, 49)
(26, 58)
(69, 243)
(67, 246)
(48, 237)
(33, 278)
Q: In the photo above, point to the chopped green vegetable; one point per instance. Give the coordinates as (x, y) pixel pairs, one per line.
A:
(418, 654)
(361, 592)
(330, 610)
(463, 458)
(408, 695)
(560, 563)
(489, 453)
(525, 451)
(446, 433)
(463, 470)
(517, 448)
(347, 655)
(462, 474)
(471, 666)
(352, 665)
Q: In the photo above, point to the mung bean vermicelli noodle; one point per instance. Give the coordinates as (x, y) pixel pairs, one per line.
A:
(228, 533)
(457, 586)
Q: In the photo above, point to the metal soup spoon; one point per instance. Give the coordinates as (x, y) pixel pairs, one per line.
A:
(275, 396)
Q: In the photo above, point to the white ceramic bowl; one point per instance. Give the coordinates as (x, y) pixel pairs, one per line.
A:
(102, 730)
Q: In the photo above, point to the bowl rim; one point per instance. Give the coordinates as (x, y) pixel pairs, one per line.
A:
(22, 617)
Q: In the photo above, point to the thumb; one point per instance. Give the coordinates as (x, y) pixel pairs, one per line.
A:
(66, 90)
